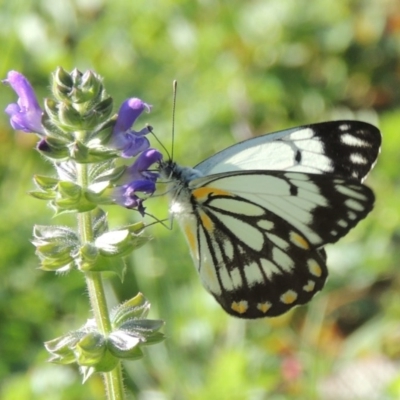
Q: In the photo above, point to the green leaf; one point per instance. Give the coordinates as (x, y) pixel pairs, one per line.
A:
(50, 234)
(154, 338)
(124, 345)
(104, 264)
(61, 348)
(138, 307)
(55, 246)
(144, 326)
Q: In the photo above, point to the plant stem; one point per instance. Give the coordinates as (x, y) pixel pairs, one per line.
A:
(98, 301)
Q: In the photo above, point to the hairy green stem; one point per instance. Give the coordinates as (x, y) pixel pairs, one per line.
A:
(94, 282)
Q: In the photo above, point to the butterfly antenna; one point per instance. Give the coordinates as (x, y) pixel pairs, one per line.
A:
(150, 128)
(174, 90)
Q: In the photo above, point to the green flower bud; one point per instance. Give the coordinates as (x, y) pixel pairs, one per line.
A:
(136, 308)
(90, 349)
(61, 85)
(91, 88)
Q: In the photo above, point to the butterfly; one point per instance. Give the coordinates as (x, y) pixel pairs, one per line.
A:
(258, 214)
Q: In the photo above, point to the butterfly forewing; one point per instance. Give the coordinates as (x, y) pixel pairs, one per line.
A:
(344, 148)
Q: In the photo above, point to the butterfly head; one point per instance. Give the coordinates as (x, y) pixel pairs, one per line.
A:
(170, 170)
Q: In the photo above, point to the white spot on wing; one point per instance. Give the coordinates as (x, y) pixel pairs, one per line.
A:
(300, 134)
(278, 241)
(282, 259)
(350, 192)
(313, 146)
(265, 224)
(253, 274)
(310, 286)
(269, 268)
(237, 281)
(351, 215)
(351, 140)
(228, 249)
(358, 159)
(355, 205)
(225, 279)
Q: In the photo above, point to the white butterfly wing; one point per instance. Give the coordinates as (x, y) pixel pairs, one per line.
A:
(345, 148)
(254, 237)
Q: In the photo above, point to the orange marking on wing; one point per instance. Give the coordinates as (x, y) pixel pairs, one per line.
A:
(209, 272)
(264, 307)
(191, 240)
(310, 286)
(289, 297)
(299, 240)
(203, 192)
(314, 268)
(240, 307)
(206, 221)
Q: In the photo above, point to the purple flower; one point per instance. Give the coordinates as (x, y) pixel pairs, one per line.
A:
(130, 142)
(26, 114)
(127, 197)
(140, 168)
(140, 180)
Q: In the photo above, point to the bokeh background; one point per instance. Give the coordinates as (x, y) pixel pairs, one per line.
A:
(244, 68)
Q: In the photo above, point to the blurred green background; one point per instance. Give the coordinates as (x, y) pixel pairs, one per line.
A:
(244, 68)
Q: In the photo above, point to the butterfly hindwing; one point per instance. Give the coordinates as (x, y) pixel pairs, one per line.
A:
(256, 236)
(263, 274)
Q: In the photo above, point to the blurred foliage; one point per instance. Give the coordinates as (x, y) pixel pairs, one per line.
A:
(244, 68)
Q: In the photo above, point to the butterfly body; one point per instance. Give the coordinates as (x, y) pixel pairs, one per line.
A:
(257, 215)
